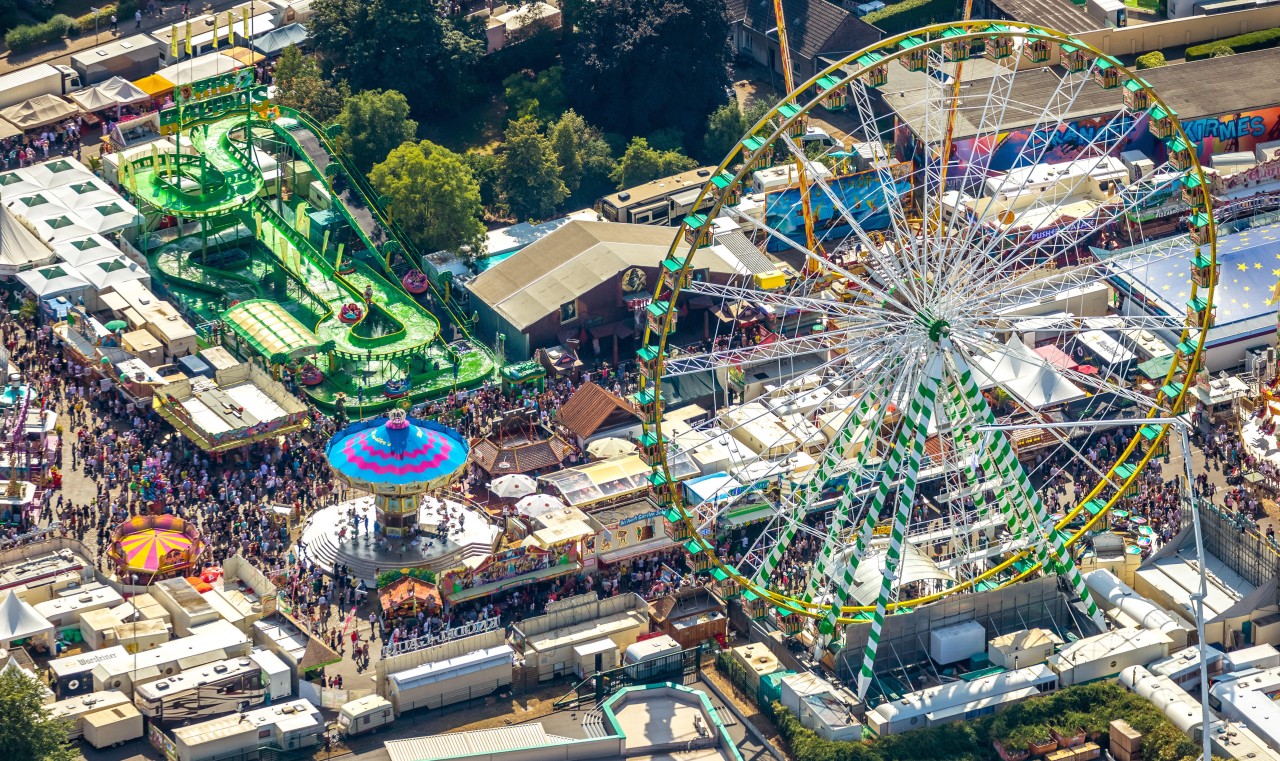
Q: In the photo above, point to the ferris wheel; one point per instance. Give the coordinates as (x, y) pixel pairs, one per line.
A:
(922, 293)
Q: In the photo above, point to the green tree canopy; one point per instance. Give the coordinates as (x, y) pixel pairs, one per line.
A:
(373, 123)
(300, 84)
(26, 731)
(433, 197)
(539, 95)
(399, 45)
(585, 158)
(726, 127)
(641, 163)
(636, 66)
(529, 177)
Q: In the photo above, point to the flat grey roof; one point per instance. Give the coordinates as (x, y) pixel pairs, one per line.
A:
(1062, 15)
(1197, 89)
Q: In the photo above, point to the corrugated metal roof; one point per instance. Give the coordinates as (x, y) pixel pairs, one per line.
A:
(465, 744)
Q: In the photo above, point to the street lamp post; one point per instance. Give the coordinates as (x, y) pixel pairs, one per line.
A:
(94, 11)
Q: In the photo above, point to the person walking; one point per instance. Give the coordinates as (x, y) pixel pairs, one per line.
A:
(137, 17)
(114, 23)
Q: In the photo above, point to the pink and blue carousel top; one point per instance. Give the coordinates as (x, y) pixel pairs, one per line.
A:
(404, 453)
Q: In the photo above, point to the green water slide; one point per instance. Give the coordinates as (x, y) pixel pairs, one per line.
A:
(222, 182)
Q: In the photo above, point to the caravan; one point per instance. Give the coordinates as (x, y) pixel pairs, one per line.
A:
(202, 693)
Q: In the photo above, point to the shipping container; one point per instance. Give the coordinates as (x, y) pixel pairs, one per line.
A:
(453, 680)
(114, 726)
(75, 709)
(140, 636)
(1258, 657)
(797, 687)
(757, 660)
(952, 644)
(97, 628)
(1026, 647)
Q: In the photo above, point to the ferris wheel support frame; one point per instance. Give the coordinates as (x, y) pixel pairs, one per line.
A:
(848, 76)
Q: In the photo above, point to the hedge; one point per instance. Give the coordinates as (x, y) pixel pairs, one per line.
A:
(1091, 706)
(1152, 60)
(1241, 43)
(913, 14)
(86, 24)
(29, 36)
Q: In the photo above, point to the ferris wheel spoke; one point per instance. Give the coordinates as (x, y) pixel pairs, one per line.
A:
(1096, 382)
(828, 340)
(897, 216)
(864, 283)
(1071, 325)
(830, 308)
(875, 401)
(1043, 282)
(892, 269)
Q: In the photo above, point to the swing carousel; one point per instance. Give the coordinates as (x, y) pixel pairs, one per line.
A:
(399, 462)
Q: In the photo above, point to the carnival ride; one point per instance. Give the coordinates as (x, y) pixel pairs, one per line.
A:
(900, 377)
(155, 547)
(253, 242)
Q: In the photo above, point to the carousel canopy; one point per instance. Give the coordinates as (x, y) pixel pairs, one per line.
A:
(408, 592)
(397, 451)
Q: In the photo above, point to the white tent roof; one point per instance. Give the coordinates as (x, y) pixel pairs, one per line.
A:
(54, 280)
(50, 174)
(108, 273)
(201, 67)
(279, 39)
(65, 202)
(19, 620)
(123, 91)
(1028, 376)
(39, 111)
(92, 99)
(20, 248)
(91, 248)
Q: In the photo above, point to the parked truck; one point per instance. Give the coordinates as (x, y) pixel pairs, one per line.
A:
(41, 79)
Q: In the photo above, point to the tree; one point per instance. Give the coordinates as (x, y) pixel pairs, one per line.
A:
(528, 176)
(538, 95)
(484, 168)
(585, 158)
(300, 84)
(636, 66)
(26, 731)
(373, 123)
(433, 196)
(1152, 60)
(727, 126)
(640, 164)
(400, 45)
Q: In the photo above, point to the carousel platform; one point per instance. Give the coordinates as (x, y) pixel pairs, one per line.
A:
(450, 534)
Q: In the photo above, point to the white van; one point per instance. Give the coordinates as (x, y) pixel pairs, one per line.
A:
(365, 714)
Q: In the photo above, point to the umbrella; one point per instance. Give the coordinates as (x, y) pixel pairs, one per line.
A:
(116, 325)
(538, 503)
(610, 447)
(513, 485)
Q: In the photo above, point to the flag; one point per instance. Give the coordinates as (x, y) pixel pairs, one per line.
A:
(173, 41)
(231, 29)
(188, 38)
(215, 31)
(244, 17)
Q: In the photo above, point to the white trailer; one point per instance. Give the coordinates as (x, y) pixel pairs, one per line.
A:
(452, 680)
(41, 79)
(185, 604)
(75, 709)
(131, 58)
(291, 726)
(1128, 608)
(650, 657)
(64, 612)
(1256, 657)
(170, 659)
(960, 700)
(114, 726)
(1104, 656)
(1183, 667)
(73, 675)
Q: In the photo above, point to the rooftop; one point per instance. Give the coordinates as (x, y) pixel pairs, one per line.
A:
(1060, 15)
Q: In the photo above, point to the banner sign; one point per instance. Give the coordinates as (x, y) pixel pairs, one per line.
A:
(211, 108)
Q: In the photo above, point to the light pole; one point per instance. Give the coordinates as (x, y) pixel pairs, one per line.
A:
(94, 11)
